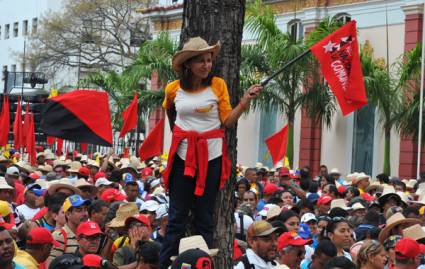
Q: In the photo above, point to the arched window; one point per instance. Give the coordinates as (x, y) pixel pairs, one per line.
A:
(343, 17)
(295, 29)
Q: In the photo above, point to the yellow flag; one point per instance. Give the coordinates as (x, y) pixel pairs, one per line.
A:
(286, 162)
(53, 93)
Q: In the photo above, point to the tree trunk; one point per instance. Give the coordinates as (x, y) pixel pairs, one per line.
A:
(387, 149)
(221, 20)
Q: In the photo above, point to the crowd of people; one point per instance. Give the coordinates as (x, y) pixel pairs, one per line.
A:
(76, 212)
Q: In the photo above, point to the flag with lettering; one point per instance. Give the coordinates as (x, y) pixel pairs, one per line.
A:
(338, 54)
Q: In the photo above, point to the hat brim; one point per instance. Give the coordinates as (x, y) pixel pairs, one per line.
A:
(211, 252)
(269, 231)
(55, 187)
(182, 56)
(383, 199)
(385, 232)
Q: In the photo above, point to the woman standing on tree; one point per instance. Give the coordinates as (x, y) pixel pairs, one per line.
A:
(198, 107)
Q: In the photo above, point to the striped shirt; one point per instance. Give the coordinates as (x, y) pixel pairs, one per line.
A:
(68, 243)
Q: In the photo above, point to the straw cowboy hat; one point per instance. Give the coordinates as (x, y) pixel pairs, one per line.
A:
(195, 242)
(63, 183)
(74, 167)
(124, 211)
(415, 232)
(392, 222)
(388, 192)
(360, 177)
(192, 48)
(339, 203)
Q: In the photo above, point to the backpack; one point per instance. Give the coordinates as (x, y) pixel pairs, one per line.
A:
(245, 262)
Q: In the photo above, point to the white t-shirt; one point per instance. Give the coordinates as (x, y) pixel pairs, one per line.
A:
(27, 212)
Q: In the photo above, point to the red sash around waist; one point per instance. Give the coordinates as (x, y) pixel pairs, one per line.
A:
(196, 162)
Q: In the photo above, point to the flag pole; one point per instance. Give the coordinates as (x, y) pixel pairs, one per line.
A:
(421, 100)
(267, 80)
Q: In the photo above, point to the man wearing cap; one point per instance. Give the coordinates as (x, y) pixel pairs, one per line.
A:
(291, 249)
(139, 228)
(7, 193)
(132, 189)
(407, 253)
(32, 194)
(161, 220)
(149, 208)
(7, 251)
(89, 236)
(75, 209)
(38, 246)
(262, 241)
(268, 191)
(323, 205)
(287, 183)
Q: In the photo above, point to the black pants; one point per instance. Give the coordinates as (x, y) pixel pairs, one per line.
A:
(182, 200)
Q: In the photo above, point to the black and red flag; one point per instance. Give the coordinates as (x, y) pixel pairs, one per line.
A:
(130, 117)
(81, 116)
(338, 54)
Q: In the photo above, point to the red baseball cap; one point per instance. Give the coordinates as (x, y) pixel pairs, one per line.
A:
(283, 171)
(407, 248)
(270, 188)
(324, 200)
(140, 218)
(147, 171)
(34, 176)
(40, 235)
(99, 175)
(84, 171)
(92, 260)
(291, 239)
(110, 195)
(88, 228)
(341, 189)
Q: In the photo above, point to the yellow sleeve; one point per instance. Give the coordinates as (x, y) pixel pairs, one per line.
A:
(220, 89)
(170, 93)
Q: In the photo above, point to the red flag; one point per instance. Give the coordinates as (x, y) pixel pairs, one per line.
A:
(50, 140)
(126, 153)
(4, 122)
(276, 143)
(130, 117)
(26, 126)
(338, 54)
(59, 147)
(152, 146)
(17, 127)
(31, 142)
(83, 147)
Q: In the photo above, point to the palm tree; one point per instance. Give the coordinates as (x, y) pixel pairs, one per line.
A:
(285, 93)
(410, 75)
(383, 93)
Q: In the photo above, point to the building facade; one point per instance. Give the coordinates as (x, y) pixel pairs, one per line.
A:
(355, 142)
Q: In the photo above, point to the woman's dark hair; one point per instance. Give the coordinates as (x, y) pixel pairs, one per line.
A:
(243, 181)
(399, 183)
(383, 178)
(332, 224)
(96, 206)
(275, 200)
(410, 210)
(354, 190)
(304, 203)
(186, 75)
(326, 247)
(333, 189)
(314, 187)
(112, 211)
(284, 216)
(278, 224)
(338, 212)
(54, 202)
(116, 175)
(148, 252)
(305, 184)
(339, 262)
(328, 178)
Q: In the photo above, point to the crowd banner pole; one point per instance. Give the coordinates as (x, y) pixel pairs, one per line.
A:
(421, 100)
(264, 82)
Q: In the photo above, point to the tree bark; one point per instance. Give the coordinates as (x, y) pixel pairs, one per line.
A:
(221, 20)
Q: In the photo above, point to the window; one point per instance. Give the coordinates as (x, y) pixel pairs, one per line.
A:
(13, 68)
(34, 25)
(343, 18)
(15, 29)
(25, 27)
(0, 31)
(295, 29)
(6, 31)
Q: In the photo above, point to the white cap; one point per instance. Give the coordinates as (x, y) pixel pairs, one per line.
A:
(150, 205)
(161, 211)
(155, 183)
(266, 209)
(308, 217)
(103, 181)
(4, 185)
(12, 170)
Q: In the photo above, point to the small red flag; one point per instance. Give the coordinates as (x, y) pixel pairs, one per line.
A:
(31, 150)
(152, 146)
(130, 117)
(50, 140)
(26, 126)
(126, 153)
(4, 122)
(83, 147)
(338, 54)
(59, 147)
(276, 143)
(17, 127)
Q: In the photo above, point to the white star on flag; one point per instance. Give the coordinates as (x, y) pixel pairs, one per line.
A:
(344, 39)
(329, 47)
